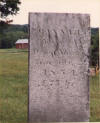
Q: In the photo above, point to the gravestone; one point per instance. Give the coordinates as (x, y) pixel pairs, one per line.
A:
(58, 67)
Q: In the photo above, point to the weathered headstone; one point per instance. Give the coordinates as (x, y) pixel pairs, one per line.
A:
(58, 67)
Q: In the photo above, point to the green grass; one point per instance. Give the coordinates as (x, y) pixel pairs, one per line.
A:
(14, 88)
(95, 99)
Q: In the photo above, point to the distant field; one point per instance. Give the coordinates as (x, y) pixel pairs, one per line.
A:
(14, 88)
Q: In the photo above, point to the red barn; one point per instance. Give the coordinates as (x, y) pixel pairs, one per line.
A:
(22, 44)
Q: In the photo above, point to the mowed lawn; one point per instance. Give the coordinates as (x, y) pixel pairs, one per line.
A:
(14, 88)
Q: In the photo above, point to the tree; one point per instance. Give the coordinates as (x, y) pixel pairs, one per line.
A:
(9, 7)
(95, 47)
(8, 39)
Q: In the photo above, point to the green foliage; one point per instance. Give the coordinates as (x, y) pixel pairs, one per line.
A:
(3, 26)
(9, 38)
(94, 46)
(23, 28)
(11, 34)
(9, 7)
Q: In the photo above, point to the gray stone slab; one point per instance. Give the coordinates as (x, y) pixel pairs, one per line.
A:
(58, 67)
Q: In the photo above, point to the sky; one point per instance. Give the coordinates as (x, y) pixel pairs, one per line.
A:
(91, 7)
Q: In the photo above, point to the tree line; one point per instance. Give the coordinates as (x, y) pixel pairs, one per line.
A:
(94, 47)
(11, 33)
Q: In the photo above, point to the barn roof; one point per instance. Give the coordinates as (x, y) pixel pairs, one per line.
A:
(21, 41)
